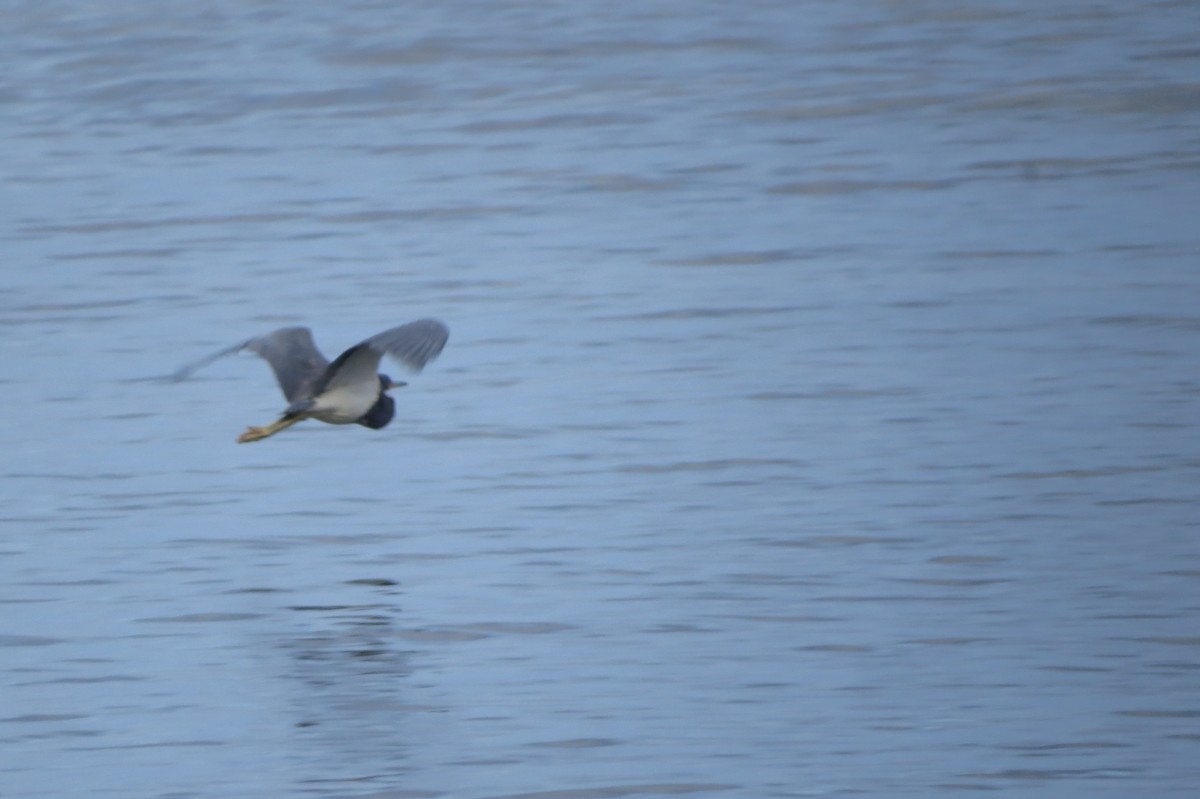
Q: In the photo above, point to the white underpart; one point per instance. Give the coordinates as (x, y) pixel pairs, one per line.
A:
(352, 393)
(346, 404)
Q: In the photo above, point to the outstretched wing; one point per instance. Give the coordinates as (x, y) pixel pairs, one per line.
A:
(294, 358)
(414, 345)
(290, 351)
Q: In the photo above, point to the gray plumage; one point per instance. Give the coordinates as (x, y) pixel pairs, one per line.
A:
(346, 391)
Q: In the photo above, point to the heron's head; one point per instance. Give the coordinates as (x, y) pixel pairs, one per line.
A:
(386, 383)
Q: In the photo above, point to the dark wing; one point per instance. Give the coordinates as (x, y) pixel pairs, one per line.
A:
(414, 345)
(290, 351)
(294, 358)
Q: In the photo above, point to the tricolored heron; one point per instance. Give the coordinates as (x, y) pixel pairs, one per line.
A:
(348, 391)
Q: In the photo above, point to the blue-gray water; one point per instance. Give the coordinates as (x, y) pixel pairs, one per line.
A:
(819, 417)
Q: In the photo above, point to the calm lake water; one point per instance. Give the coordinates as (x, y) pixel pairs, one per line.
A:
(820, 415)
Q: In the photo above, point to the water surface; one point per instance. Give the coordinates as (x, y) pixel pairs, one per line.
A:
(819, 416)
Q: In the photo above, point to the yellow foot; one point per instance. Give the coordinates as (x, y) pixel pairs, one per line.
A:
(253, 434)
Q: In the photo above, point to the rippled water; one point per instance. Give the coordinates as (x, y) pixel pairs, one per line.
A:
(819, 415)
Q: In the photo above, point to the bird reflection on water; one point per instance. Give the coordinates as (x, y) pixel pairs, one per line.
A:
(349, 390)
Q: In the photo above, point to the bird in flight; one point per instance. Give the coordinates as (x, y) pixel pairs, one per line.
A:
(349, 390)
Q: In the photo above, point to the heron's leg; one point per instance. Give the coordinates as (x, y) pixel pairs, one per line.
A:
(257, 433)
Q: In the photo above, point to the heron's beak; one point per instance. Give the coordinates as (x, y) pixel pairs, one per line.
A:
(397, 384)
